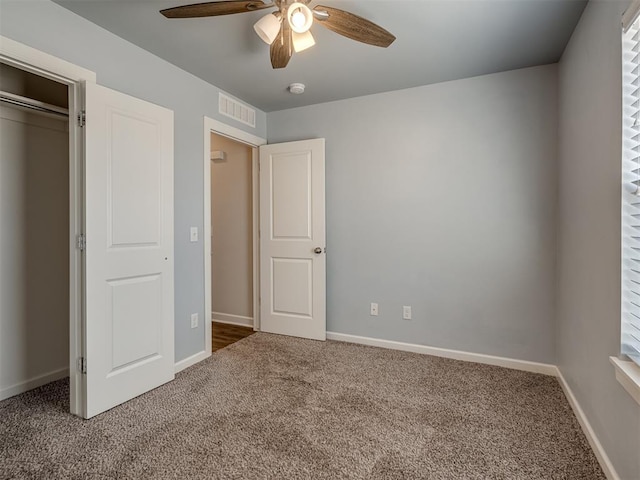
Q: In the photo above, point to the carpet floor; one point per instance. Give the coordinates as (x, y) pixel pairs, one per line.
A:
(273, 407)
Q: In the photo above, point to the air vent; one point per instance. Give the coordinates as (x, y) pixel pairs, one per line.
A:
(236, 110)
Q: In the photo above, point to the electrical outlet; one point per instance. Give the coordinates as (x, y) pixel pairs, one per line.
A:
(374, 309)
(406, 312)
(194, 320)
(194, 234)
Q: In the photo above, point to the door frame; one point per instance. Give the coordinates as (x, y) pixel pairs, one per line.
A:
(222, 129)
(44, 65)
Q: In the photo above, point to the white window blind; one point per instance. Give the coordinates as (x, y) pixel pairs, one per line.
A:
(630, 340)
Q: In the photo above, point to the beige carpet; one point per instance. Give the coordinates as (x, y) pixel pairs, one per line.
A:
(271, 407)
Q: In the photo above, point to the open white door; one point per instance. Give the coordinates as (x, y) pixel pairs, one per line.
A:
(129, 315)
(292, 239)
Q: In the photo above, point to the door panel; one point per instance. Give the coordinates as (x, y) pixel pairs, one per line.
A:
(135, 182)
(129, 322)
(292, 286)
(292, 226)
(139, 298)
(291, 195)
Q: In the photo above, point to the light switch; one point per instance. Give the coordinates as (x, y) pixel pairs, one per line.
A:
(194, 234)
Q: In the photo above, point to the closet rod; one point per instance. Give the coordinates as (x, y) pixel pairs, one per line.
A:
(31, 104)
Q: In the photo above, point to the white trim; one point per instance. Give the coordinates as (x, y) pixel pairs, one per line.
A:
(628, 374)
(19, 55)
(527, 366)
(77, 381)
(231, 319)
(192, 360)
(214, 126)
(39, 63)
(255, 211)
(596, 446)
(35, 382)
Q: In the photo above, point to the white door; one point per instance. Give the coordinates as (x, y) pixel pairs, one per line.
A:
(292, 239)
(129, 312)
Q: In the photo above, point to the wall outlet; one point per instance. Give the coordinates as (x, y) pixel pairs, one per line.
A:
(194, 234)
(374, 309)
(194, 320)
(406, 312)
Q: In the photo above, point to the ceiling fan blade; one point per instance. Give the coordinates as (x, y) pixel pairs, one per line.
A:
(212, 9)
(353, 27)
(282, 47)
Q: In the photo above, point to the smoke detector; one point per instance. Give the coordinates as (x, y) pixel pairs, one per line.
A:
(296, 88)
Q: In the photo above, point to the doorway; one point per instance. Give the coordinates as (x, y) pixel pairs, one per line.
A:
(49, 68)
(35, 288)
(289, 233)
(231, 233)
(112, 359)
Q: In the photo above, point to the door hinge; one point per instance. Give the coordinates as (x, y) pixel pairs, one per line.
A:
(82, 118)
(81, 242)
(82, 365)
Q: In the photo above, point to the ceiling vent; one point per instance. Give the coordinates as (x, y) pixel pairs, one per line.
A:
(236, 110)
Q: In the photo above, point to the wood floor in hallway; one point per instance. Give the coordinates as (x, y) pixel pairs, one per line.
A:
(224, 334)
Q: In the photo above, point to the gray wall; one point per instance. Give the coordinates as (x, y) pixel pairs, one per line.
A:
(588, 325)
(443, 198)
(122, 66)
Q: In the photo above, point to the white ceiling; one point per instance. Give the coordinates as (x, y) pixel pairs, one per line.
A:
(437, 40)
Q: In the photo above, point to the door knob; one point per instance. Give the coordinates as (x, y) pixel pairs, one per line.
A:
(317, 250)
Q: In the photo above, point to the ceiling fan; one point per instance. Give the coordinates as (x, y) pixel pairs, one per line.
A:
(287, 29)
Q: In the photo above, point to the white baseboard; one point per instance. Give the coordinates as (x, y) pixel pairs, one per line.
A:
(35, 382)
(525, 365)
(192, 360)
(596, 446)
(232, 319)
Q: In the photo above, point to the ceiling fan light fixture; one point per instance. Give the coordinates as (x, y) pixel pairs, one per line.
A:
(268, 27)
(300, 17)
(302, 41)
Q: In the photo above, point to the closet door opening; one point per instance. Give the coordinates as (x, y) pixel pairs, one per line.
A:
(232, 240)
(35, 241)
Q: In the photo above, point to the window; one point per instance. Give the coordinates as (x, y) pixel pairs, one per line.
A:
(630, 337)
(628, 366)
